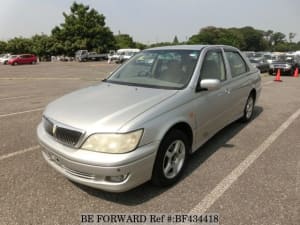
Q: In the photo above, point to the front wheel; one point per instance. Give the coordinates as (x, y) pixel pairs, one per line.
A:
(248, 110)
(170, 159)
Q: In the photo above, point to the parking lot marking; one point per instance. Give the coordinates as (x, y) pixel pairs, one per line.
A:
(226, 183)
(40, 78)
(18, 113)
(19, 152)
(16, 97)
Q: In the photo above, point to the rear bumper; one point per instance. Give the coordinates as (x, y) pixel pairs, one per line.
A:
(118, 175)
(282, 70)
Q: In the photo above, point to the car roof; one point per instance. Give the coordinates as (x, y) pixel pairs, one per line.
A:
(190, 47)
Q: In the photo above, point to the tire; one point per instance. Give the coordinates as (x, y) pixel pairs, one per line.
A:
(270, 72)
(33, 62)
(14, 64)
(248, 109)
(170, 159)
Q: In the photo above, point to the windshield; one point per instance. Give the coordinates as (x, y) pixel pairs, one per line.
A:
(258, 55)
(286, 58)
(268, 56)
(171, 69)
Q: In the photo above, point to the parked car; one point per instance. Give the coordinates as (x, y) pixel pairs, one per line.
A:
(4, 58)
(22, 59)
(249, 54)
(268, 58)
(143, 121)
(286, 64)
(85, 55)
(261, 64)
(123, 54)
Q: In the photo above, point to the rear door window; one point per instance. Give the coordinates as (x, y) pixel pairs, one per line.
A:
(237, 64)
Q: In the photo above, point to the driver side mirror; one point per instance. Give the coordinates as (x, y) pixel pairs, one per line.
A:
(209, 85)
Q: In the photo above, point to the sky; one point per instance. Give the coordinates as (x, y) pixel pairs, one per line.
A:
(150, 21)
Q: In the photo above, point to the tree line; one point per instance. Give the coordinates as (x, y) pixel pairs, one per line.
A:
(85, 28)
(246, 39)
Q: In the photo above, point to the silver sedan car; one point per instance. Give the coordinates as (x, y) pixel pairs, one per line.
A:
(143, 121)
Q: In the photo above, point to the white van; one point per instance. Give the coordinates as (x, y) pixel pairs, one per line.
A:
(123, 54)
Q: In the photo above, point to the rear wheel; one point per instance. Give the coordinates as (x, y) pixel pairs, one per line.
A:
(170, 159)
(248, 110)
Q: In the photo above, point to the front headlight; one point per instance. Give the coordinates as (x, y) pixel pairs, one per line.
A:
(113, 143)
(288, 66)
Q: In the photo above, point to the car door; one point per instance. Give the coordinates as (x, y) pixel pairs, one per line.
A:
(212, 107)
(22, 59)
(27, 59)
(240, 83)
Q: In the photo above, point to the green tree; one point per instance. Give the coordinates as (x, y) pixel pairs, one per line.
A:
(277, 38)
(3, 46)
(215, 35)
(19, 45)
(124, 41)
(267, 36)
(175, 40)
(245, 38)
(254, 39)
(140, 45)
(291, 36)
(207, 35)
(42, 45)
(160, 44)
(83, 28)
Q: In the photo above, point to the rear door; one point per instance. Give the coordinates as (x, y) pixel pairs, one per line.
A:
(240, 84)
(24, 59)
(28, 59)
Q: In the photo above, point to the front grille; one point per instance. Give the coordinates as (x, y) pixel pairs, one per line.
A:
(70, 137)
(279, 66)
(62, 134)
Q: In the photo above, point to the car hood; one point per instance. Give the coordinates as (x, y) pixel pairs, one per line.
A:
(105, 107)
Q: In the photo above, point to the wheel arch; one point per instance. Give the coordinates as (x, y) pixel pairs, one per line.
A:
(186, 129)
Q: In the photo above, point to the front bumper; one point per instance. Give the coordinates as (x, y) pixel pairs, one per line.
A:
(109, 172)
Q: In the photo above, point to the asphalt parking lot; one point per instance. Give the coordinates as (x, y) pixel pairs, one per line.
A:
(248, 174)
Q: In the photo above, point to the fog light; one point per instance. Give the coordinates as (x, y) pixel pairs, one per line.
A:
(116, 179)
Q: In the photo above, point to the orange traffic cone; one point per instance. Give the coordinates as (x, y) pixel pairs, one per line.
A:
(278, 76)
(296, 73)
